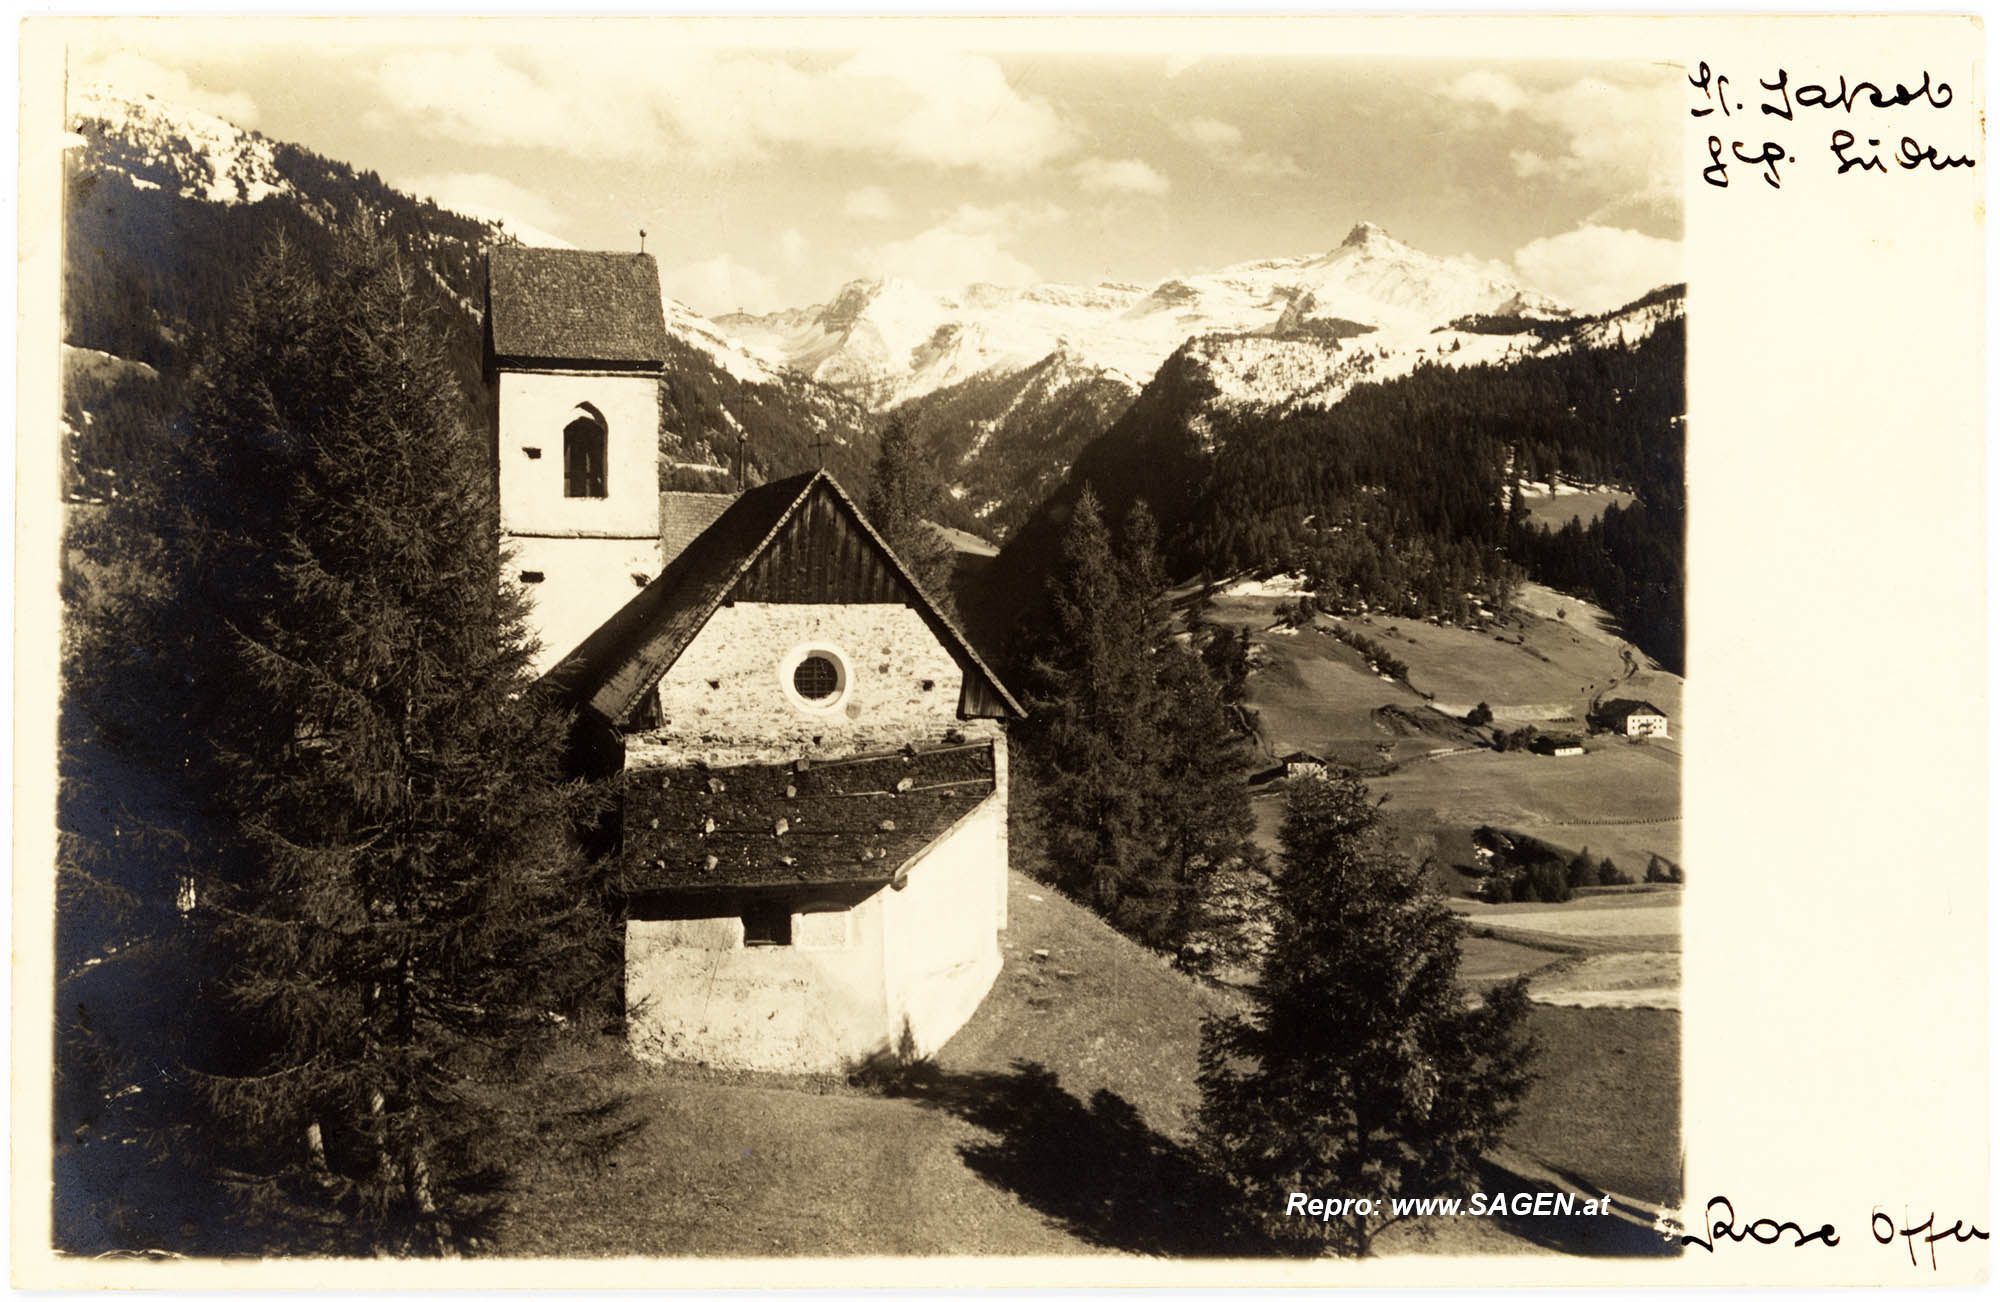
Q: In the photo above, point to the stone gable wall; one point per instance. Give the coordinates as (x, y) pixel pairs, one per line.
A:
(725, 700)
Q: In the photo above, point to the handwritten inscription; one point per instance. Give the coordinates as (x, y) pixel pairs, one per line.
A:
(1755, 155)
(1764, 1229)
(1722, 1227)
(1883, 1227)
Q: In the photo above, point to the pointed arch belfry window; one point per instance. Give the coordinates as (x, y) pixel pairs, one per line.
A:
(584, 440)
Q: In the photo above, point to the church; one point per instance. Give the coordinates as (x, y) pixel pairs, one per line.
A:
(811, 841)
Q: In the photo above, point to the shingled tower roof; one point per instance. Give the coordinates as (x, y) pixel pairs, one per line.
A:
(574, 306)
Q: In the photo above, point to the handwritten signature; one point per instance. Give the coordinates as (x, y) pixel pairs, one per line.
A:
(1722, 1227)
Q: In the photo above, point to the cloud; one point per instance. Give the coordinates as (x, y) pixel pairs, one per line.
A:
(1221, 143)
(719, 285)
(1596, 268)
(476, 96)
(1657, 206)
(1209, 133)
(133, 74)
(1493, 89)
(526, 215)
(870, 203)
(794, 246)
(967, 246)
(1527, 163)
(1608, 136)
(941, 109)
(1126, 175)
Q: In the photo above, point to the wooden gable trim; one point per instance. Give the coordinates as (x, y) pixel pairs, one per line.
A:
(833, 565)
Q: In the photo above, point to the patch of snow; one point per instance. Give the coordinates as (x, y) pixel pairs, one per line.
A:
(707, 338)
(1278, 585)
(211, 159)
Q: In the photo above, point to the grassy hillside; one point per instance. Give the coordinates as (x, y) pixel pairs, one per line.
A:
(1541, 663)
(1055, 1123)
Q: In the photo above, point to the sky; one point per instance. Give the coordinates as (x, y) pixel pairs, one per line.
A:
(767, 176)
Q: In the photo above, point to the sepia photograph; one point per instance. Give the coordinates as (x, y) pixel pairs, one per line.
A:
(680, 641)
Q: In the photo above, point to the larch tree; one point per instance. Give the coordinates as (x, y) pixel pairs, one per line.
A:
(1362, 1068)
(397, 916)
(903, 501)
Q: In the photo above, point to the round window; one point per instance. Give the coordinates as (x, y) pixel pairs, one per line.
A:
(816, 678)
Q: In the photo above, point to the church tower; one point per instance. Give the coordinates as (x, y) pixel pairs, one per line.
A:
(575, 346)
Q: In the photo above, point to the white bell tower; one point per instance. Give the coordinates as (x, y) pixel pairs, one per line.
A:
(575, 347)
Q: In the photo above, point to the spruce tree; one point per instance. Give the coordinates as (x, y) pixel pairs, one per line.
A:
(397, 914)
(1091, 725)
(1361, 1070)
(903, 501)
(1139, 768)
(1195, 772)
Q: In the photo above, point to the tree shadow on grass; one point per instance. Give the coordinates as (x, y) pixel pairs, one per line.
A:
(1105, 1176)
(1609, 1235)
(1097, 1169)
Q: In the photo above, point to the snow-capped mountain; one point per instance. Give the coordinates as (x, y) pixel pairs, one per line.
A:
(193, 154)
(168, 202)
(888, 341)
(1271, 331)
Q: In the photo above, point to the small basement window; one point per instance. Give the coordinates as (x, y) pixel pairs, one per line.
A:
(532, 576)
(767, 924)
(534, 454)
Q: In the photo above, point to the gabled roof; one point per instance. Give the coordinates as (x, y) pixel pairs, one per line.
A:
(800, 539)
(574, 305)
(1624, 707)
(845, 822)
(684, 517)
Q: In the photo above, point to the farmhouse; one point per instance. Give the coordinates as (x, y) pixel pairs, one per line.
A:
(1557, 744)
(812, 833)
(1633, 718)
(1296, 764)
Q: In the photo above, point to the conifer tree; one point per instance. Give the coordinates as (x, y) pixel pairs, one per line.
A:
(1092, 721)
(1361, 1070)
(1140, 771)
(903, 500)
(397, 914)
(1200, 804)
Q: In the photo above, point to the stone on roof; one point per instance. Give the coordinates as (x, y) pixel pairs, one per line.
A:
(575, 305)
(832, 822)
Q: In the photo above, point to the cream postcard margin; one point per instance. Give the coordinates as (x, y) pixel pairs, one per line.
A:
(1835, 1011)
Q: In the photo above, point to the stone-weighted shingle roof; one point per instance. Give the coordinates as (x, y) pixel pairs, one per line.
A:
(575, 305)
(834, 822)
